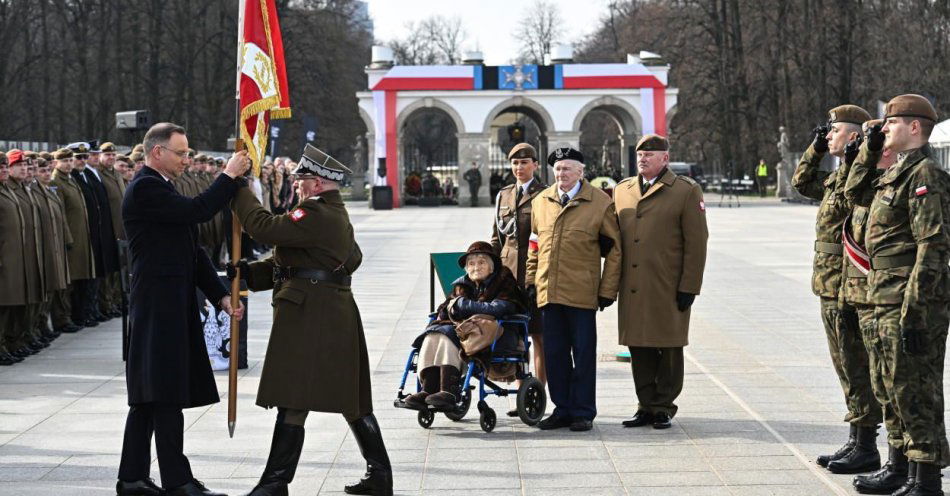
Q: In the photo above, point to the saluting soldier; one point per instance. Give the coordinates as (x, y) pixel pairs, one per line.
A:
(909, 284)
(848, 353)
(663, 230)
(511, 233)
(55, 237)
(866, 166)
(315, 254)
(12, 263)
(67, 305)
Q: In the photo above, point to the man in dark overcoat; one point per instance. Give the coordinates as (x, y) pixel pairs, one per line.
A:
(326, 368)
(168, 367)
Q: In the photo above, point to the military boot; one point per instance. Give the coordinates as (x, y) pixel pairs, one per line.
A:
(379, 474)
(864, 457)
(282, 461)
(911, 481)
(824, 460)
(429, 377)
(887, 480)
(446, 398)
(928, 481)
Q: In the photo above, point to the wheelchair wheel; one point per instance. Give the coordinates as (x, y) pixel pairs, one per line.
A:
(425, 418)
(459, 413)
(487, 420)
(532, 401)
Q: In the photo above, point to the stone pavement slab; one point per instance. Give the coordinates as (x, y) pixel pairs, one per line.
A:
(760, 400)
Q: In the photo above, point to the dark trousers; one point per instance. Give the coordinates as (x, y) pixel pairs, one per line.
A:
(61, 309)
(658, 378)
(84, 299)
(570, 355)
(168, 425)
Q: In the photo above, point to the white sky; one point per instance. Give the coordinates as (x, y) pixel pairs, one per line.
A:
(487, 23)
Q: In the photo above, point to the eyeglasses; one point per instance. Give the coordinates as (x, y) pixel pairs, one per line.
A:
(181, 155)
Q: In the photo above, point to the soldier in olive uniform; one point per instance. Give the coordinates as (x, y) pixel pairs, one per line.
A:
(79, 256)
(848, 353)
(511, 232)
(326, 368)
(111, 302)
(26, 316)
(909, 284)
(12, 276)
(55, 238)
(865, 167)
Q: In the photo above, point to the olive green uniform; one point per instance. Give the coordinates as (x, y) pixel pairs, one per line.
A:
(55, 237)
(909, 282)
(316, 358)
(111, 288)
(25, 318)
(848, 354)
(12, 267)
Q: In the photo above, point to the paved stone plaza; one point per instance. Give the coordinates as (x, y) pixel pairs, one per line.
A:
(760, 399)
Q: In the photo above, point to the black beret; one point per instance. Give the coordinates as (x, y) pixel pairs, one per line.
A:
(566, 153)
(653, 143)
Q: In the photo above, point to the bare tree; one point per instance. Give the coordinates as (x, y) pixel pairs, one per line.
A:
(433, 40)
(539, 29)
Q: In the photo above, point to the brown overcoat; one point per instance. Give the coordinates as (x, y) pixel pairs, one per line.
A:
(664, 251)
(32, 243)
(571, 241)
(12, 264)
(115, 190)
(79, 254)
(316, 358)
(55, 237)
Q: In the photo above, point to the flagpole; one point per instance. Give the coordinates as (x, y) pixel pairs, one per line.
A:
(235, 340)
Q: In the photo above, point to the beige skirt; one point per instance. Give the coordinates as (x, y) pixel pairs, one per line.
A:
(436, 350)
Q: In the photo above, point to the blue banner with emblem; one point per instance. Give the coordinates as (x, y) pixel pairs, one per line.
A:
(518, 77)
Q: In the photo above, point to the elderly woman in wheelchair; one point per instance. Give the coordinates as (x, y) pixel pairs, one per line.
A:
(487, 288)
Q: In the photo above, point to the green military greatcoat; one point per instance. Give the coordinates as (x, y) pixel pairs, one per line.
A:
(316, 358)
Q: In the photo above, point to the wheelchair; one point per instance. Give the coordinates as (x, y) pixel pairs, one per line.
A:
(531, 397)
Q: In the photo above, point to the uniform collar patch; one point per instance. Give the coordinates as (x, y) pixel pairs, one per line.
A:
(921, 191)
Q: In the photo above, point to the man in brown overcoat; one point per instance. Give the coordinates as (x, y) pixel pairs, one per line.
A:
(79, 256)
(663, 228)
(55, 238)
(12, 276)
(316, 358)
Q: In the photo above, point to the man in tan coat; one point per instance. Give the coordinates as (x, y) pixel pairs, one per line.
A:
(576, 226)
(663, 227)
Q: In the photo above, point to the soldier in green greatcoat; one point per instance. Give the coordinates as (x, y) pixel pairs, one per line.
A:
(908, 241)
(79, 256)
(12, 275)
(316, 357)
(848, 354)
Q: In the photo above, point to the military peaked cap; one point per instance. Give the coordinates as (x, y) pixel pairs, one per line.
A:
(62, 154)
(523, 150)
(46, 155)
(107, 147)
(653, 143)
(565, 153)
(910, 105)
(80, 148)
(852, 114)
(315, 163)
(137, 156)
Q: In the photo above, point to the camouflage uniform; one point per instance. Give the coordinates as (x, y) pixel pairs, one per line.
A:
(907, 239)
(848, 354)
(858, 193)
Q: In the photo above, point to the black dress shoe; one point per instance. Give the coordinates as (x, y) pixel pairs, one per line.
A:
(144, 487)
(101, 318)
(6, 360)
(193, 488)
(90, 323)
(581, 425)
(553, 422)
(662, 420)
(639, 419)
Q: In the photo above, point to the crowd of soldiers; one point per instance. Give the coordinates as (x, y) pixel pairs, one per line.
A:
(881, 272)
(62, 240)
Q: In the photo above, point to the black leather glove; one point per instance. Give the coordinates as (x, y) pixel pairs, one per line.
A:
(912, 341)
(851, 150)
(876, 138)
(532, 293)
(229, 269)
(820, 143)
(604, 302)
(684, 300)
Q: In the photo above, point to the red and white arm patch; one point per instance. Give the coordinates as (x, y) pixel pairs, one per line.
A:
(533, 242)
(921, 191)
(702, 206)
(297, 214)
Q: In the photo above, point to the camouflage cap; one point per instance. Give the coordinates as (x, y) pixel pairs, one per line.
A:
(653, 143)
(523, 150)
(108, 146)
(63, 154)
(910, 105)
(852, 114)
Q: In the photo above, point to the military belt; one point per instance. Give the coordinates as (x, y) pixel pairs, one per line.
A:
(855, 272)
(314, 275)
(829, 248)
(905, 260)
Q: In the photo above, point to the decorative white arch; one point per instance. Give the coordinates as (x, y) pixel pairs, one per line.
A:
(430, 102)
(620, 109)
(547, 123)
(368, 121)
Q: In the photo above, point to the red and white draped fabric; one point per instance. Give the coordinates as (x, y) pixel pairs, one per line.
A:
(856, 254)
(263, 78)
(598, 76)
